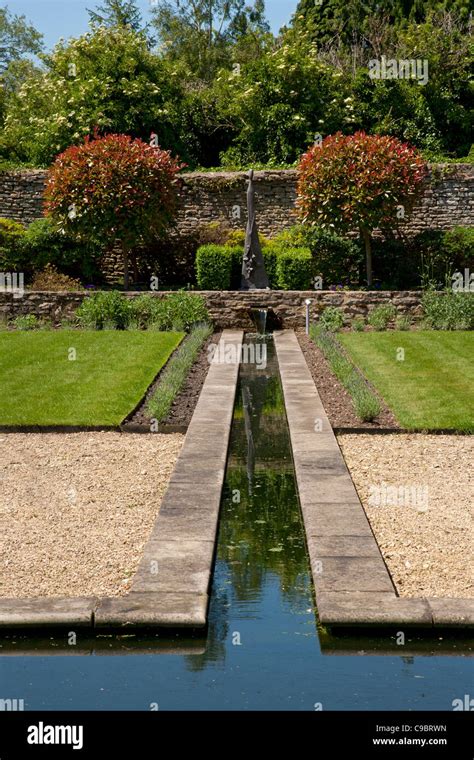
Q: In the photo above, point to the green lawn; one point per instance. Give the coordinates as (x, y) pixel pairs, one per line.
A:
(433, 388)
(40, 385)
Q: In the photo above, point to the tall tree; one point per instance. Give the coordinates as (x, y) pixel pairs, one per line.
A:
(17, 38)
(202, 32)
(117, 13)
(343, 19)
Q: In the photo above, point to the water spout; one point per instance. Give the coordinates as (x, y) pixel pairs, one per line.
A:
(259, 318)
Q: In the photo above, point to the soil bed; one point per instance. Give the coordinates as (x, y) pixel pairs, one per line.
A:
(336, 400)
(184, 404)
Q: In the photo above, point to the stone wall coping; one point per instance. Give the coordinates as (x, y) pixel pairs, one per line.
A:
(259, 174)
(232, 293)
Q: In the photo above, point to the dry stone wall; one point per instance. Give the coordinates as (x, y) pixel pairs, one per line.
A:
(233, 309)
(207, 197)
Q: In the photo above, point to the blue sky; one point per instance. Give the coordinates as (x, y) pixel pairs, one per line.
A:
(68, 18)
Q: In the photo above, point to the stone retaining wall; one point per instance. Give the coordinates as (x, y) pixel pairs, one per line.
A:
(232, 309)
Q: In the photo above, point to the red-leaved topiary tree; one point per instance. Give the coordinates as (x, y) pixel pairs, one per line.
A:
(359, 182)
(114, 189)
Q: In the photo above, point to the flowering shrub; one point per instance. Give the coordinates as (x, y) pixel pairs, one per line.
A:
(113, 188)
(359, 182)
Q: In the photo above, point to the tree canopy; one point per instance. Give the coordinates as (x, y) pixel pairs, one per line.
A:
(219, 89)
(117, 13)
(17, 38)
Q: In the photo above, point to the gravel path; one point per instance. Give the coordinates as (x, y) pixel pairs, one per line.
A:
(76, 509)
(426, 535)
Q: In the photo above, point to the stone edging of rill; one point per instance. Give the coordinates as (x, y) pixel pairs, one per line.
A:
(352, 584)
(170, 587)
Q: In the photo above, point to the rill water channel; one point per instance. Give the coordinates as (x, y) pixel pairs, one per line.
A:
(263, 648)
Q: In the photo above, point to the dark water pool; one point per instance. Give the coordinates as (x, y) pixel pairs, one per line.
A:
(263, 649)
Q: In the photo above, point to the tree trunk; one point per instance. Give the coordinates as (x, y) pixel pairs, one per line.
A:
(368, 254)
(125, 266)
(136, 274)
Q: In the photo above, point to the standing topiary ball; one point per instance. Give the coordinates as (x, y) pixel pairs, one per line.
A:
(114, 189)
(359, 182)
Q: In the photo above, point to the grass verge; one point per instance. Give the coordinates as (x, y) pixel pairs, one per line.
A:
(176, 372)
(366, 404)
(426, 378)
(71, 377)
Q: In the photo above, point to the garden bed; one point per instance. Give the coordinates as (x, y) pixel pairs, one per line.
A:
(185, 402)
(336, 400)
(426, 536)
(77, 509)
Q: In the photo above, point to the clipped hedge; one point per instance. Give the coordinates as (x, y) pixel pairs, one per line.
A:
(294, 269)
(214, 264)
(219, 267)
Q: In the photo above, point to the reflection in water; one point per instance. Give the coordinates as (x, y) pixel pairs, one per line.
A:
(261, 545)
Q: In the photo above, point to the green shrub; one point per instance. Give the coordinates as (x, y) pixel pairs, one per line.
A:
(403, 323)
(183, 310)
(332, 319)
(380, 317)
(11, 237)
(43, 244)
(366, 404)
(271, 254)
(32, 249)
(113, 310)
(236, 238)
(458, 244)
(336, 259)
(294, 269)
(104, 309)
(358, 324)
(11, 232)
(26, 322)
(146, 310)
(214, 266)
(447, 310)
(442, 253)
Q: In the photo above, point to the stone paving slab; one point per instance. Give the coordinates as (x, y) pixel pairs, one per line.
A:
(336, 519)
(452, 613)
(47, 612)
(196, 522)
(372, 609)
(146, 610)
(349, 573)
(344, 546)
(352, 584)
(178, 559)
(177, 565)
